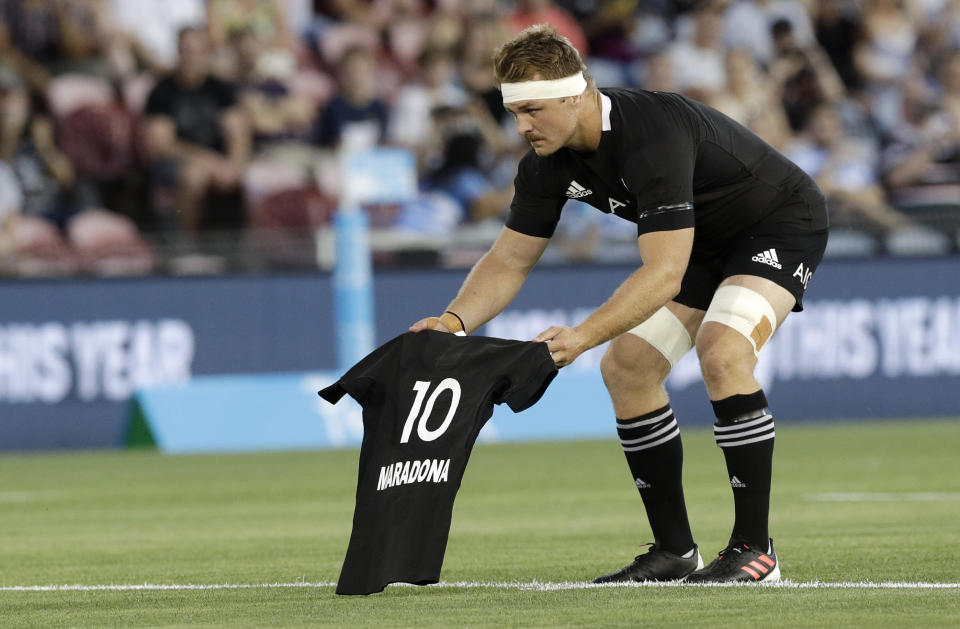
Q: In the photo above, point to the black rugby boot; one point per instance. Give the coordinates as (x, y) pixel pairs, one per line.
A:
(740, 562)
(655, 565)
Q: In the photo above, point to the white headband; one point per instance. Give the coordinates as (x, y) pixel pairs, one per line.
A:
(534, 90)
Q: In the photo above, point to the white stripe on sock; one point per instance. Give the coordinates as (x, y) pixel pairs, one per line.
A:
(647, 422)
(728, 444)
(675, 433)
(653, 435)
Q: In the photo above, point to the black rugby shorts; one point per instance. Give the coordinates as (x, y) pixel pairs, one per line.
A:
(784, 253)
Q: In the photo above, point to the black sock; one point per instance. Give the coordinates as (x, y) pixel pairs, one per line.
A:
(651, 443)
(744, 431)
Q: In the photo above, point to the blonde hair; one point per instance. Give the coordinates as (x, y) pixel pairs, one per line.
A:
(538, 51)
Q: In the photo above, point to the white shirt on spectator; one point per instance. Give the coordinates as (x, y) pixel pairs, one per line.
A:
(156, 23)
(11, 198)
(411, 117)
(696, 67)
(747, 25)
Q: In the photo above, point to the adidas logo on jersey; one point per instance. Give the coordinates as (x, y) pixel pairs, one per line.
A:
(642, 484)
(768, 257)
(736, 482)
(576, 191)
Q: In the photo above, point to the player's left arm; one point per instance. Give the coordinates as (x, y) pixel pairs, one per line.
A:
(665, 256)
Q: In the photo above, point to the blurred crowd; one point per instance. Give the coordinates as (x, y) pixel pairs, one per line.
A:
(130, 124)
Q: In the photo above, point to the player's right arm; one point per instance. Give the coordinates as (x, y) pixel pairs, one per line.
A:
(493, 281)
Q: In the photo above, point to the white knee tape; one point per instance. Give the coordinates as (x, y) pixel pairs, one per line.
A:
(665, 331)
(744, 310)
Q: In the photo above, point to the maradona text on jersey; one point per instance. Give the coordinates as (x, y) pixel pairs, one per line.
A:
(407, 472)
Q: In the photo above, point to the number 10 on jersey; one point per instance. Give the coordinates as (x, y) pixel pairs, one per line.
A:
(415, 417)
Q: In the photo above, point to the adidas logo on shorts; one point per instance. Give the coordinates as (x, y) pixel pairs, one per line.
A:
(576, 191)
(767, 257)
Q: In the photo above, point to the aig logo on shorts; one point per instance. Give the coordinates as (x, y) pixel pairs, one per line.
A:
(804, 274)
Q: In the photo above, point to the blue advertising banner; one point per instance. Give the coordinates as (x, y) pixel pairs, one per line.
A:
(73, 352)
(878, 338)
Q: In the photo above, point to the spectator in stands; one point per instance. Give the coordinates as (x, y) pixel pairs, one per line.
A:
(353, 11)
(197, 138)
(153, 27)
(282, 119)
(265, 19)
(61, 36)
(803, 75)
(449, 22)
(846, 169)
(942, 26)
(609, 28)
(485, 32)
(747, 25)
(466, 170)
(837, 27)
(750, 99)
(414, 28)
(34, 73)
(461, 187)
(659, 73)
(411, 114)
(529, 12)
(746, 91)
(921, 160)
(43, 173)
(47, 223)
(951, 90)
(276, 113)
(698, 59)
(11, 199)
(884, 57)
(356, 116)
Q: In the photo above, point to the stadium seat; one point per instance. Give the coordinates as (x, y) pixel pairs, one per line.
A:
(69, 92)
(313, 85)
(282, 225)
(40, 251)
(98, 139)
(917, 240)
(296, 209)
(337, 39)
(136, 90)
(109, 244)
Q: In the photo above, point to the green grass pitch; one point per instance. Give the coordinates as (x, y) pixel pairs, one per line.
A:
(875, 502)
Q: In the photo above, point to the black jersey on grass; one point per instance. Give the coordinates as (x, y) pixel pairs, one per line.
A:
(425, 397)
(667, 162)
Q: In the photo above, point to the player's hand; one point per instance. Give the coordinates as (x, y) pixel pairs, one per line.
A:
(565, 343)
(429, 323)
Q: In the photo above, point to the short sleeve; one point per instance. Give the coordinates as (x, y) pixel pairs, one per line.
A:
(535, 210)
(533, 372)
(661, 176)
(226, 94)
(364, 381)
(158, 101)
(364, 389)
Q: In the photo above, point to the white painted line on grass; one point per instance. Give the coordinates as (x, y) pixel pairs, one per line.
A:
(133, 587)
(535, 586)
(24, 496)
(872, 496)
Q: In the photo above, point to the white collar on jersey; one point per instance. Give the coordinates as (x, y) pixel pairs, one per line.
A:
(605, 111)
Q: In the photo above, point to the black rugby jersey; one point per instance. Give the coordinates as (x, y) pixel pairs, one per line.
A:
(668, 162)
(425, 397)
